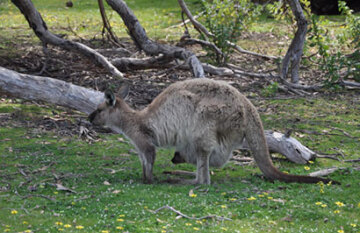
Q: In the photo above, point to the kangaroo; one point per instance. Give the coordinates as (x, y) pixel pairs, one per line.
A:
(205, 120)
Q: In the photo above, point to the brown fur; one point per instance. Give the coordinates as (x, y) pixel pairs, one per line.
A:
(205, 120)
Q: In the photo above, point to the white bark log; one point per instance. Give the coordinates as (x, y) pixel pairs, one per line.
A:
(86, 100)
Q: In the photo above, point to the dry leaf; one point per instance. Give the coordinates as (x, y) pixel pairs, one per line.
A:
(106, 183)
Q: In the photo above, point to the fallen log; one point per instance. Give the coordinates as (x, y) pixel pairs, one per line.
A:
(57, 92)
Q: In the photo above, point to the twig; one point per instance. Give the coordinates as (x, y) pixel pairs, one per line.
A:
(328, 156)
(220, 218)
(352, 160)
(38, 195)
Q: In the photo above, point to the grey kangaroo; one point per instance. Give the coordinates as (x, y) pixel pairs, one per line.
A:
(205, 120)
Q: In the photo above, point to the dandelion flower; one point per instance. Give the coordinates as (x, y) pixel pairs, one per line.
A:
(198, 222)
(188, 224)
(318, 203)
(163, 231)
(27, 231)
(105, 231)
(122, 215)
(323, 205)
(307, 168)
(311, 162)
(223, 228)
(14, 212)
(339, 203)
(196, 229)
(336, 211)
(120, 220)
(192, 195)
(25, 222)
(265, 193)
(67, 225)
(270, 198)
(353, 224)
(223, 206)
(340, 231)
(120, 228)
(260, 195)
(232, 199)
(58, 223)
(251, 198)
(79, 227)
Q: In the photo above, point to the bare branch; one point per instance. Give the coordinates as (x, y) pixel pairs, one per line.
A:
(38, 25)
(138, 34)
(219, 218)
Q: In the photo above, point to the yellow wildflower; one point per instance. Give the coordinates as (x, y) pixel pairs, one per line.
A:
(192, 195)
(223, 206)
(79, 227)
(27, 231)
(336, 211)
(188, 224)
(339, 203)
(318, 203)
(353, 224)
(105, 231)
(163, 231)
(25, 222)
(265, 193)
(7, 230)
(232, 199)
(323, 205)
(67, 225)
(58, 223)
(311, 162)
(223, 228)
(122, 215)
(60, 229)
(120, 220)
(14, 212)
(270, 198)
(251, 198)
(359, 204)
(56, 193)
(196, 229)
(120, 228)
(340, 231)
(260, 195)
(307, 168)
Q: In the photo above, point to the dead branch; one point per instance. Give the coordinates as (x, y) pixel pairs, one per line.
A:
(186, 21)
(293, 55)
(50, 90)
(352, 160)
(106, 24)
(39, 27)
(219, 218)
(325, 172)
(202, 30)
(140, 38)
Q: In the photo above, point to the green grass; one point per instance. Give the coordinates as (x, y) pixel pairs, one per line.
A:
(33, 160)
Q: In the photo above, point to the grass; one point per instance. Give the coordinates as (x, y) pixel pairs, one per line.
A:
(105, 174)
(109, 195)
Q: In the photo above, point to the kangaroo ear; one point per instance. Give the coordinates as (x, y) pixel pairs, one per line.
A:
(110, 98)
(124, 91)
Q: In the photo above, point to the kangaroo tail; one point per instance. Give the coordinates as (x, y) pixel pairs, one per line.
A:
(255, 136)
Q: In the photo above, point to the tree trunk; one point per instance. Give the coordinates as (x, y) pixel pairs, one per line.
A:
(39, 27)
(293, 55)
(138, 34)
(86, 100)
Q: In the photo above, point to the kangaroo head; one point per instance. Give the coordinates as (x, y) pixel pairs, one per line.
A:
(103, 115)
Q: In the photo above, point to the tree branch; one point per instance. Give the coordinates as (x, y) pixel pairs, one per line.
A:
(39, 27)
(138, 34)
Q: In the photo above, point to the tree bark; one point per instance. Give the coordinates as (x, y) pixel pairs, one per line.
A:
(138, 34)
(39, 27)
(86, 100)
(293, 55)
